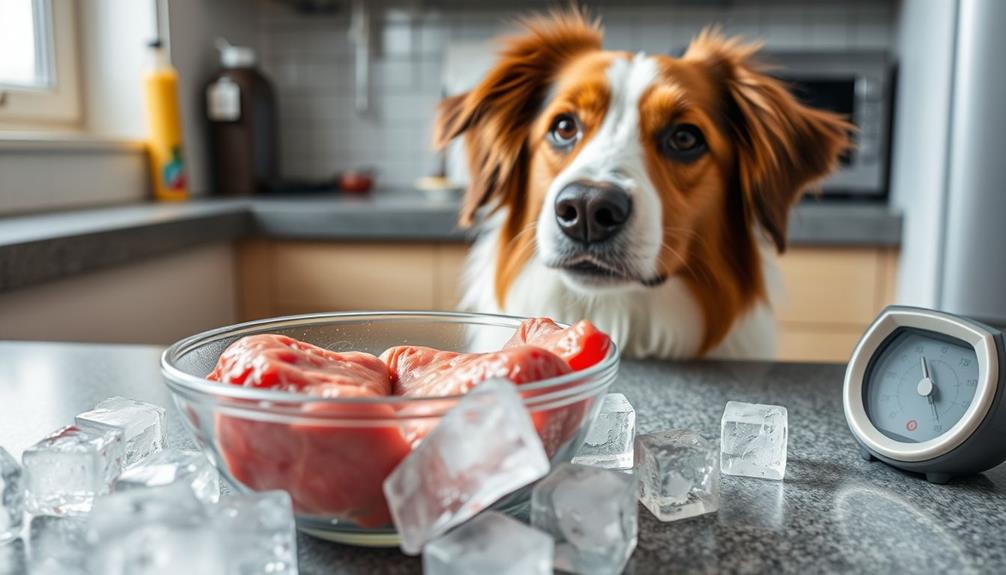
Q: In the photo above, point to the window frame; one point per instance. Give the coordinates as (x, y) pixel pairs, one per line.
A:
(57, 106)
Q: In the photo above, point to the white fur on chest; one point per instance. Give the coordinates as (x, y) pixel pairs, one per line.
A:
(663, 322)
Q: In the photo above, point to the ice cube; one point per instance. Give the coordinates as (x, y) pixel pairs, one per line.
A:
(65, 471)
(259, 533)
(11, 496)
(174, 466)
(679, 474)
(58, 545)
(141, 424)
(609, 440)
(482, 449)
(591, 513)
(154, 531)
(13, 558)
(753, 440)
(490, 543)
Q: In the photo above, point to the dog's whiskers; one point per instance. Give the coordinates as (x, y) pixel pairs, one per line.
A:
(700, 272)
(690, 233)
(519, 235)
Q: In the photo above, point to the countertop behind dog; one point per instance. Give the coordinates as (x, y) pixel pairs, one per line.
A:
(833, 513)
(44, 247)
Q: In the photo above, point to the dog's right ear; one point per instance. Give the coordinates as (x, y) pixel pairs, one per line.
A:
(496, 116)
(782, 145)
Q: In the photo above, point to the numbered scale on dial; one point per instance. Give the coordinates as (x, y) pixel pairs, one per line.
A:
(923, 392)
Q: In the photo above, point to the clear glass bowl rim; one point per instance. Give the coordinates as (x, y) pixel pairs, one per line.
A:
(201, 386)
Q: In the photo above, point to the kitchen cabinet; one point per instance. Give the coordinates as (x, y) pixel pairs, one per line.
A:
(285, 277)
(830, 297)
(831, 294)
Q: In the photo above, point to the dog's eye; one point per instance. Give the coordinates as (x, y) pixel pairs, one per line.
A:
(564, 131)
(683, 141)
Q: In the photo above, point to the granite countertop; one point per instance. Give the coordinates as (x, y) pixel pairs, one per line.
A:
(833, 513)
(43, 247)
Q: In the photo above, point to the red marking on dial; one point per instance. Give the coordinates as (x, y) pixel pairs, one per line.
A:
(912, 425)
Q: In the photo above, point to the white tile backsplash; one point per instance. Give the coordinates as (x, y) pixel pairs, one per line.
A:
(310, 59)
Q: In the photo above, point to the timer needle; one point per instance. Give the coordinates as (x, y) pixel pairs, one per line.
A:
(926, 387)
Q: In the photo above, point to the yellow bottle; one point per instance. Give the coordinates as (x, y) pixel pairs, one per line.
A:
(167, 161)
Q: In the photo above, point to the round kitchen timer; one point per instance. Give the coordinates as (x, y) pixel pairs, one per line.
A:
(924, 393)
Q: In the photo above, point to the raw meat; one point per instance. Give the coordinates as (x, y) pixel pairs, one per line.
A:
(581, 345)
(333, 459)
(427, 372)
(328, 468)
(283, 363)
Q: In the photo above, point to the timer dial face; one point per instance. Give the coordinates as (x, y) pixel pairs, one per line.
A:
(920, 385)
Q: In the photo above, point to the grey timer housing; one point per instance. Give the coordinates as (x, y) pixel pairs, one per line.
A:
(975, 443)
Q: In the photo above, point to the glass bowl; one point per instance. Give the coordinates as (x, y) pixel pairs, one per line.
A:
(333, 454)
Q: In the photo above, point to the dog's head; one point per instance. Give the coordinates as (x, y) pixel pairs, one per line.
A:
(621, 170)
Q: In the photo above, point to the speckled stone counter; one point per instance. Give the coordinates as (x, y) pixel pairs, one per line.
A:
(833, 513)
(44, 247)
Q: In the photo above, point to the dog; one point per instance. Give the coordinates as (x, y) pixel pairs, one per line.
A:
(645, 193)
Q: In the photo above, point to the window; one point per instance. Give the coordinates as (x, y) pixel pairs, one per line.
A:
(38, 67)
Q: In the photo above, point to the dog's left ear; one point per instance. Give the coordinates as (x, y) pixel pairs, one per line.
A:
(496, 116)
(782, 145)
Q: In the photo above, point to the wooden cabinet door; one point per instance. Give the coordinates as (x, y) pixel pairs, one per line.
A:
(832, 295)
(304, 277)
(450, 263)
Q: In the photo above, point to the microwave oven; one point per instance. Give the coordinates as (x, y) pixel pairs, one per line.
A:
(859, 87)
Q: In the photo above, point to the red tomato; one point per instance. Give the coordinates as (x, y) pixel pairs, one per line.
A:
(581, 345)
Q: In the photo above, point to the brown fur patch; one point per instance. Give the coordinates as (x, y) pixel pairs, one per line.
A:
(506, 102)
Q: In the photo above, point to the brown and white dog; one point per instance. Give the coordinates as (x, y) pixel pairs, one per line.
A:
(640, 192)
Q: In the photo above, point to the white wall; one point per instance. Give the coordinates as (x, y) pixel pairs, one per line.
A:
(921, 139)
(157, 301)
(38, 176)
(113, 38)
(310, 60)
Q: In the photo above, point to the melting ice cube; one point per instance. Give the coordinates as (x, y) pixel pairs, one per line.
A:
(490, 543)
(591, 512)
(753, 440)
(11, 497)
(141, 424)
(65, 471)
(482, 449)
(58, 545)
(258, 532)
(609, 440)
(679, 474)
(154, 531)
(174, 466)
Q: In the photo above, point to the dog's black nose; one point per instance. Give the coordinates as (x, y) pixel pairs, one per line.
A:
(590, 212)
